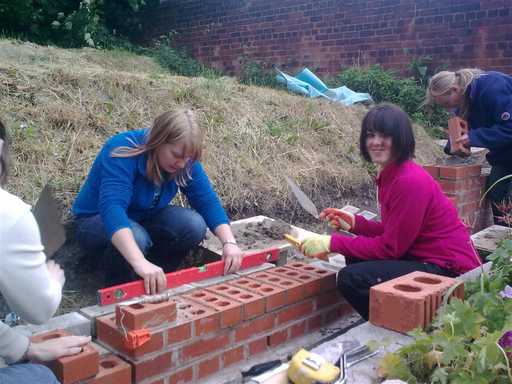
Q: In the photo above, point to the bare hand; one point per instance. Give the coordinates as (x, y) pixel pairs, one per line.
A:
(54, 348)
(464, 140)
(154, 277)
(232, 256)
(56, 272)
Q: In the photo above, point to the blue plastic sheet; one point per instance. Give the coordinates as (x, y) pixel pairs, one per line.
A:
(307, 84)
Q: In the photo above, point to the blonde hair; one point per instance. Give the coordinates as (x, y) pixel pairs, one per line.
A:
(168, 128)
(441, 83)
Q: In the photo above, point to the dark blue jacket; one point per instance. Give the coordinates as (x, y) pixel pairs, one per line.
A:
(490, 116)
(117, 188)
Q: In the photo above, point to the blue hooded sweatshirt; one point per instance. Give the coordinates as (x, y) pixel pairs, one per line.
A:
(117, 188)
(490, 116)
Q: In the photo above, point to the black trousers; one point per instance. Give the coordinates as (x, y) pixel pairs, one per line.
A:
(501, 192)
(355, 280)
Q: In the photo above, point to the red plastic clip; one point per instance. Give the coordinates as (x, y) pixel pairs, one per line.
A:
(137, 338)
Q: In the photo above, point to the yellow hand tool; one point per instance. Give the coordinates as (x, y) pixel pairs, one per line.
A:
(310, 368)
(292, 240)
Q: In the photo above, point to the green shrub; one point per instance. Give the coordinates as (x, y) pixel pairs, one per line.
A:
(72, 23)
(177, 61)
(254, 73)
(385, 86)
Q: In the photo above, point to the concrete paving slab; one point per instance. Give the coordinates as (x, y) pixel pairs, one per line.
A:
(73, 322)
(366, 371)
(487, 240)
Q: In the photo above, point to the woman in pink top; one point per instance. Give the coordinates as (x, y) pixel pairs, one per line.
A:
(420, 229)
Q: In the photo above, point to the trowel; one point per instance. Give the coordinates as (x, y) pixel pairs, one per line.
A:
(48, 217)
(304, 201)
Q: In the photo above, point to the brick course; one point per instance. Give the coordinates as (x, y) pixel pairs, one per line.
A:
(328, 35)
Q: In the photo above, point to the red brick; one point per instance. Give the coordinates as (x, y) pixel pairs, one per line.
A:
(253, 304)
(138, 316)
(113, 370)
(311, 284)
(70, 369)
(203, 346)
(161, 381)
(204, 320)
(294, 312)
(456, 128)
(233, 356)
(462, 185)
(277, 338)
(230, 309)
(314, 322)
(465, 197)
(433, 170)
(338, 311)
(181, 377)
(259, 325)
(294, 290)
(459, 171)
(328, 281)
(398, 306)
(275, 297)
(258, 346)
(298, 329)
(108, 333)
(208, 367)
(328, 298)
(151, 367)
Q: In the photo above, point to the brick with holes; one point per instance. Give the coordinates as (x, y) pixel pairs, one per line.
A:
(275, 296)
(327, 276)
(230, 309)
(112, 370)
(147, 315)
(193, 320)
(400, 305)
(70, 369)
(294, 289)
(253, 304)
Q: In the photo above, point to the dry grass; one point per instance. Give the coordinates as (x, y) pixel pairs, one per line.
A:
(60, 106)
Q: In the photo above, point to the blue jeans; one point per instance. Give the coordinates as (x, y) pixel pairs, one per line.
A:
(27, 374)
(164, 238)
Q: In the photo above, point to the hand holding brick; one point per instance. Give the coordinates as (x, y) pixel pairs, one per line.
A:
(457, 127)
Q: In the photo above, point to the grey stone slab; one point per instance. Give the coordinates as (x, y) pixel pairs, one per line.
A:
(258, 268)
(475, 273)
(214, 280)
(487, 240)
(73, 322)
(366, 371)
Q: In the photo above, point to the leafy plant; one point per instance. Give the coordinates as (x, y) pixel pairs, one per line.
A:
(254, 73)
(470, 340)
(385, 86)
(176, 60)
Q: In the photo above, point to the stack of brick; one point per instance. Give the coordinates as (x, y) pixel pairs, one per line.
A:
(410, 301)
(464, 185)
(87, 367)
(220, 325)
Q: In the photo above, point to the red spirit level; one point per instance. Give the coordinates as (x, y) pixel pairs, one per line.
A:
(126, 291)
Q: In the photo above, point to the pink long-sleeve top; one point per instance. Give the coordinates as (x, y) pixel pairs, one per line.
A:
(418, 223)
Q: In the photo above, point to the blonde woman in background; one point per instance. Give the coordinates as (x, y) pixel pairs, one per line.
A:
(30, 286)
(123, 209)
(484, 100)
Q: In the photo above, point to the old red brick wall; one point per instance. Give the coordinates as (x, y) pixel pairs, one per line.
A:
(327, 35)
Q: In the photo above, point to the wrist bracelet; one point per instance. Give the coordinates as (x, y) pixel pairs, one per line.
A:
(229, 242)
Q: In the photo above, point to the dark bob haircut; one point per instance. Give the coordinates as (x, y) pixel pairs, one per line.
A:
(4, 156)
(389, 120)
